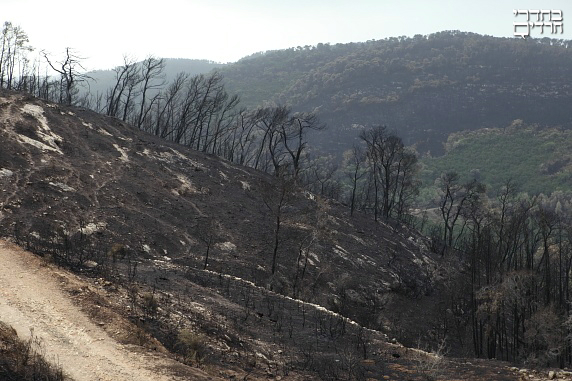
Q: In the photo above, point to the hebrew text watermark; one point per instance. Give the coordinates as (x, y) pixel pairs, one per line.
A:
(551, 19)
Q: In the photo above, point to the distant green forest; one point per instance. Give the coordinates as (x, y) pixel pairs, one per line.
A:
(423, 87)
(539, 160)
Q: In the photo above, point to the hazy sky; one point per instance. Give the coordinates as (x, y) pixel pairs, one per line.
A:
(103, 31)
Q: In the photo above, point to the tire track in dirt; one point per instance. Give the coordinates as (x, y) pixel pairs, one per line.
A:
(31, 298)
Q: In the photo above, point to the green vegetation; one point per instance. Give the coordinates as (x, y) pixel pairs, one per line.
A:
(537, 159)
(260, 77)
(423, 87)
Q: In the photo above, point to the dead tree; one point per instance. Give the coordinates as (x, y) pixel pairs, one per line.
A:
(69, 75)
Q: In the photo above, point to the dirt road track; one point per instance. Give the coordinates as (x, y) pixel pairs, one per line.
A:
(31, 297)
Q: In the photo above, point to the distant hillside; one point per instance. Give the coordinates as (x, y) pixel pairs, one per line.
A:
(104, 79)
(538, 160)
(424, 87)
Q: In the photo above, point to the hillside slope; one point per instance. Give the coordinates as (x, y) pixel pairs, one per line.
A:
(35, 298)
(53, 305)
(90, 193)
(72, 177)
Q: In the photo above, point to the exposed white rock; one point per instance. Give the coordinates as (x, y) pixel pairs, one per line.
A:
(341, 252)
(124, 157)
(103, 132)
(226, 246)
(358, 239)
(37, 144)
(5, 172)
(314, 256)
(93, 227)
(62, 186)
(186, 186)
(245, 185)
(90, 264)
(50, 138)
(309, 195)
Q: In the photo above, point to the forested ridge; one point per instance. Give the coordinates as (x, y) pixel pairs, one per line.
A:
(424, 87)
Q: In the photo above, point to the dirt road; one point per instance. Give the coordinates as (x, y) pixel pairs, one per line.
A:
(31, 298)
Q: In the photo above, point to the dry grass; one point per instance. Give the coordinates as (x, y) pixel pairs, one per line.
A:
(25, 359)
(193, 346)
(430, 364)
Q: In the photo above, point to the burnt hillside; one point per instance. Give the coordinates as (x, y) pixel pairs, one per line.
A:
(74, 174)
(105, 199)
